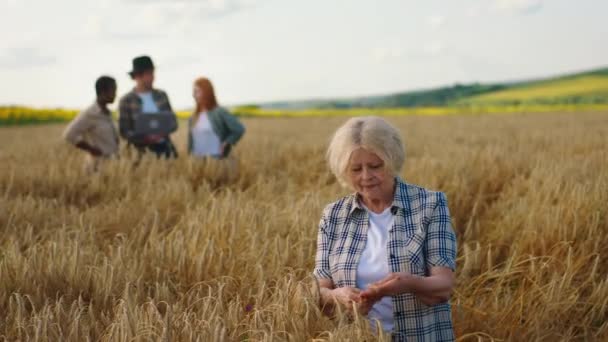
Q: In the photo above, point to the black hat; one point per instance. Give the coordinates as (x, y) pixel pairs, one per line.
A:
(141, 64)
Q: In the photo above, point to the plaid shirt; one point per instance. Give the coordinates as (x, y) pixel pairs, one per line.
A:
(421, 238)
(129, 107)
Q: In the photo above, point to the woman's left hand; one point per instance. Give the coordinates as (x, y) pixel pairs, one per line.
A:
(433, 289)
(391, 285)
(223, 148)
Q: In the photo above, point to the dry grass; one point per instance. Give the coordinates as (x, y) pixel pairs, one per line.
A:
(169, 251)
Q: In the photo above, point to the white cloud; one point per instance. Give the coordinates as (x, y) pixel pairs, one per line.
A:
(200, 8)
(435, 21)
(393, 50)
(385, 53)
(504, 6)
(25, 57)
(474, 11)
(433, 48)
(521, 6)
(93, 25)
(151, 19)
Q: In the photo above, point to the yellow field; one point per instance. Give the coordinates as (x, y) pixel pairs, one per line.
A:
(171, 250)
(25, 115)
(587, 85)
(471, 109)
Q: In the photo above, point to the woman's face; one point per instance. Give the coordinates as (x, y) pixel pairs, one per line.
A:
(197, 94)
(369, 175)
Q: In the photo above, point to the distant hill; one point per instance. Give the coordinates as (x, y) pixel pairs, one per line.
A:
(589, 87)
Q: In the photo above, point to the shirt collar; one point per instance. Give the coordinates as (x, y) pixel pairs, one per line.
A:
(398, 198)
(99, 110)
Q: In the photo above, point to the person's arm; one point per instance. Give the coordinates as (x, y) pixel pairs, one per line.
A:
(166, 104)
(322, 270)
(434, 289)
(440, 258)
(83, 145)
(190, 138)
(348, 298)
(74, 132)
(234, 126)
(125, 119)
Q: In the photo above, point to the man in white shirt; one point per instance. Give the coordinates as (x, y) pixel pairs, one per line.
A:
(144, 99)
(93, 130)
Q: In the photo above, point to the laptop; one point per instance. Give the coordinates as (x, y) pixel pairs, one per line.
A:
(161, 123)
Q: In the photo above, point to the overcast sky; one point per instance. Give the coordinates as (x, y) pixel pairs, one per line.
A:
(262, 50)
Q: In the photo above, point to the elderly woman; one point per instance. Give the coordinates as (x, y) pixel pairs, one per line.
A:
(388, 250)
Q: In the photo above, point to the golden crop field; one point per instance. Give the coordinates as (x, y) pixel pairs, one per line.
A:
(176, 251)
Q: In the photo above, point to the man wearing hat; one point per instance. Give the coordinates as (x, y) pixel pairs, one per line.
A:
(144, 99)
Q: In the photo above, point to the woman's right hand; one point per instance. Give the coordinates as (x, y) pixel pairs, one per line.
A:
(346, 296)
(350, 297)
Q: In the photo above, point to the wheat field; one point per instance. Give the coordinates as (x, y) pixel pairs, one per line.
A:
(177, 251)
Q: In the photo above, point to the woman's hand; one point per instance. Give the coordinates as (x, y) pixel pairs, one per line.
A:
(350, 299)
(346, 296)
(391, 285)
(365, 305)
(223, 148)
(431, 290)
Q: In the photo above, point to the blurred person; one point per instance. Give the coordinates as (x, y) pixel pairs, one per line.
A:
(388, 250)
(144, 99)
(212, 130)
(92, 130)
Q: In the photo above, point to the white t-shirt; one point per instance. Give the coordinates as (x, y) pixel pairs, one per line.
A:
(373, 266)
(205, 140)
(147, 103)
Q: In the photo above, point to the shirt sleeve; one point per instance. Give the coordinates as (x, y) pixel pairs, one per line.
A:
(73, 133)
(167, 102)
(125, 119)
(235, 127)
(190, 140)
(441, 239)
(322, 270)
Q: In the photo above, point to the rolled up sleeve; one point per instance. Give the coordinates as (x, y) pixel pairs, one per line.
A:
(74, 131)
(441, 239)
(322, 270)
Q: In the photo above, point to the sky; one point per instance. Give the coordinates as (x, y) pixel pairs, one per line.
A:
(256, 51)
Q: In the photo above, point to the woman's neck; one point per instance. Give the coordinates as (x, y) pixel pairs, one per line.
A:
(380, 203)
(377, 205)
(203, 109)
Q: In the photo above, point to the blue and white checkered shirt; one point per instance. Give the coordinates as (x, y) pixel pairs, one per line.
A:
(422, 237)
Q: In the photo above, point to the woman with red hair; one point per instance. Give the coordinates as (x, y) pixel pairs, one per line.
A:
(212, 130)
